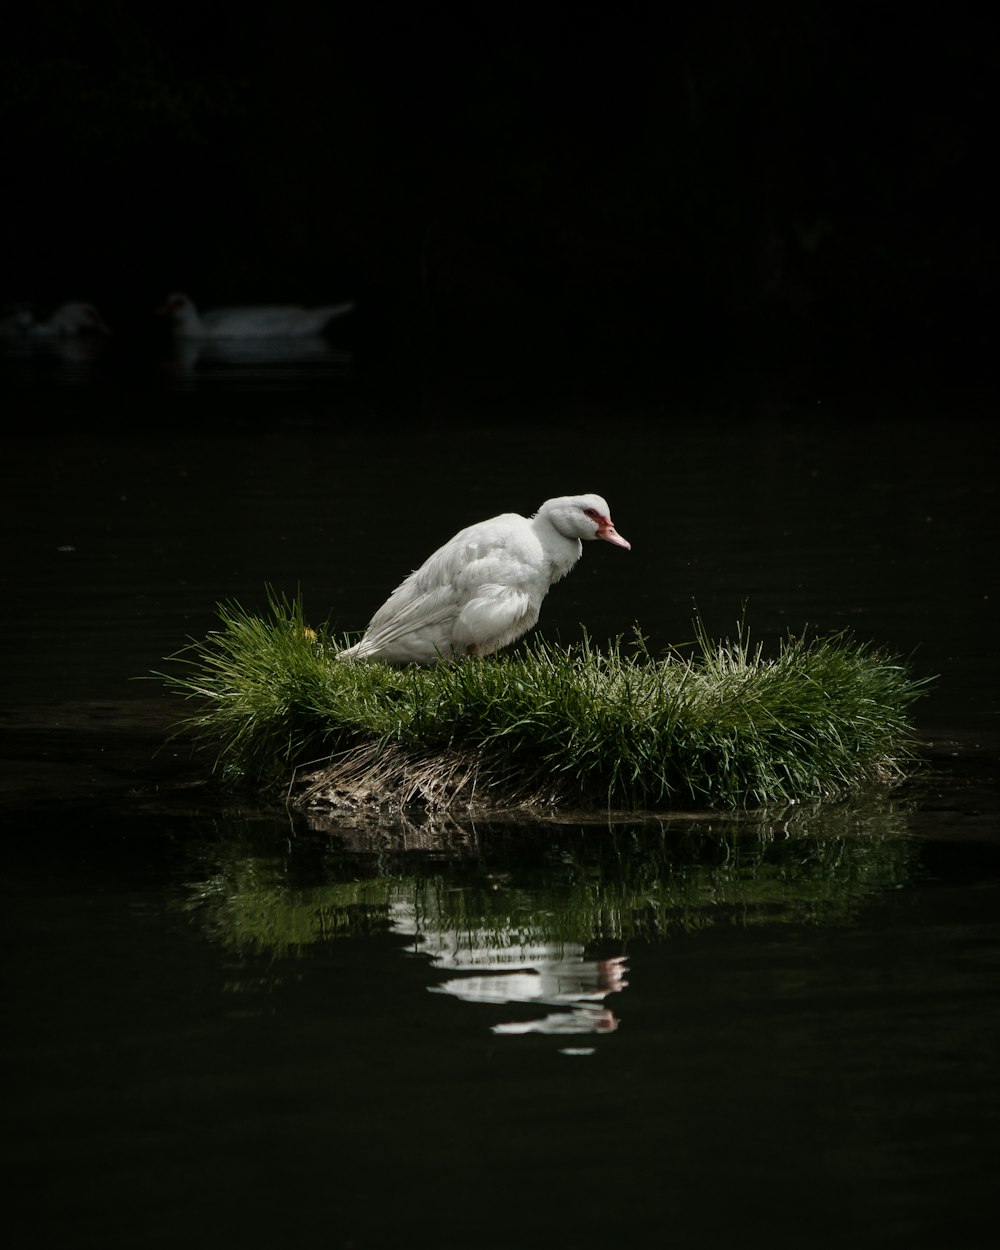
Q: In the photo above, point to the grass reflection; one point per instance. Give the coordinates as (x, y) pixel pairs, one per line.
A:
(507, 889)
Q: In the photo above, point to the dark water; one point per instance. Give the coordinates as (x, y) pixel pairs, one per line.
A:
(228, 1026)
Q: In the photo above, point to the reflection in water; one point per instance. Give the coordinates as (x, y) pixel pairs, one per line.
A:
(515, 920)
(83, 360)
(488, 891)
(274, 361)
(68, 360)
(505, 968)
(576, 983)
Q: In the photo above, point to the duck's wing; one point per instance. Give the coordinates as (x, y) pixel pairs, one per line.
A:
(496, 616)
(438, 624)
(428, 615)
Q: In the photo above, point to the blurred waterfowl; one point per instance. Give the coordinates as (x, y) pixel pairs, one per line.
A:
(250, 321)
(484, 588)
(16, 325)
(73, 318)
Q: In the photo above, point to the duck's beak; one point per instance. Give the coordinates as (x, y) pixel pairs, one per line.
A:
(610, 535)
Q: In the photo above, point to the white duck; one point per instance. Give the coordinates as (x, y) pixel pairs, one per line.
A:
(484, 588)
(16, 325)
(251, 321)
(68, 321)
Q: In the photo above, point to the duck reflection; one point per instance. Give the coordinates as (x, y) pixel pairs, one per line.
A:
(229, 360)
(501, 969)
(575, 985)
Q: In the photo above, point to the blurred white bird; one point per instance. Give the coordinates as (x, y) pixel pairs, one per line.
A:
(68, 320)
(484, 588)
(16, 325)
(251, 321)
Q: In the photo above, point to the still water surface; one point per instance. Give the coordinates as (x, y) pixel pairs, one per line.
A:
(229, 1026)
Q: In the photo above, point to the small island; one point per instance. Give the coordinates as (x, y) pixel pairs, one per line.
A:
(713, 725)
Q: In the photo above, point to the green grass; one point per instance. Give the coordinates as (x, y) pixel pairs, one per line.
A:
(719, 725)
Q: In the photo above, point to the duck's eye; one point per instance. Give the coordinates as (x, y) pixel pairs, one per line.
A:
(591, 512)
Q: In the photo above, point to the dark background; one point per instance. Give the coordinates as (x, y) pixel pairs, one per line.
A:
(803, 189)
